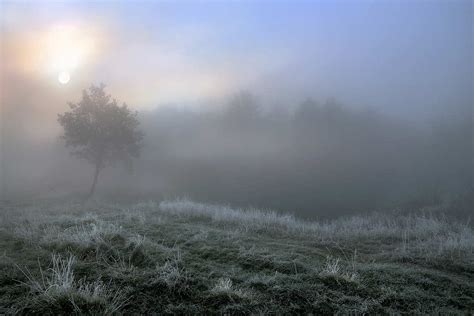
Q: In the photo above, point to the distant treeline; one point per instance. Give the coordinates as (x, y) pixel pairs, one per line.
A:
(317, 159)
(314, 159)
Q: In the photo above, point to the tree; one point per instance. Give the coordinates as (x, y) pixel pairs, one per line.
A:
(243, 106)
(100, 131)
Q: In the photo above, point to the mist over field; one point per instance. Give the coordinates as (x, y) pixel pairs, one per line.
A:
(236, 157)
(337, 122)
(316, 158)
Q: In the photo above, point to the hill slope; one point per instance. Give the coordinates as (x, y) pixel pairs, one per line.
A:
(185, 257)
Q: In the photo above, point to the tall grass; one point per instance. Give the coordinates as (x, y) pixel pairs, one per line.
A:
(216, 255)
(422, 234)
(58, 283)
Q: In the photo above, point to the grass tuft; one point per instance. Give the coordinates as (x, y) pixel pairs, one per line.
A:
(57, 287)
(212, 259)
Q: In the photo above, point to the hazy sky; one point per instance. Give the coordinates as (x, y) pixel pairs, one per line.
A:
(398, 56)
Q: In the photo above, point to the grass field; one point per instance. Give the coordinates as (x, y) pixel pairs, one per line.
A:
(183, 257)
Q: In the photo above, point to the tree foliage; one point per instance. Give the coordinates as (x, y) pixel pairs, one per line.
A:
(100, 131)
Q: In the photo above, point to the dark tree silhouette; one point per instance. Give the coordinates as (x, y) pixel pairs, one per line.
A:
(100, 131)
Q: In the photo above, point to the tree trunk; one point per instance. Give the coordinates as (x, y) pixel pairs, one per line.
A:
(96, 175)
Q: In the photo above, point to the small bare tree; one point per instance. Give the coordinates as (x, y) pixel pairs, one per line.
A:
(100, 131)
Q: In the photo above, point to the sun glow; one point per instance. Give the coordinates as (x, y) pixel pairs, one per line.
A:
(55, 52)
(68, 48)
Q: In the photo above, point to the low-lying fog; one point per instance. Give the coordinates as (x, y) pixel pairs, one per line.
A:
(318, 159)
(317, 108)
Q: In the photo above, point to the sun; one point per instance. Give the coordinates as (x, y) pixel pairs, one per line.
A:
(64, 77)
(57, 52)
(67, 48)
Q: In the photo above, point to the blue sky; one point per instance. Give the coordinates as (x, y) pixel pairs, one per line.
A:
(402, 57)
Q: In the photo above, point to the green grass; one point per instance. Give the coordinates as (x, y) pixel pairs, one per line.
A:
(182, 257)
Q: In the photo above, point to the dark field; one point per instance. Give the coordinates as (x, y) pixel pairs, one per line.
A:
(182, 257)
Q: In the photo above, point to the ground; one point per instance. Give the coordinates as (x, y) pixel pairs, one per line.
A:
(183, 257)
